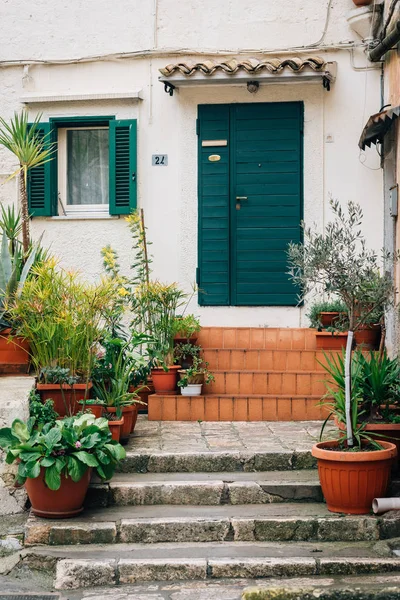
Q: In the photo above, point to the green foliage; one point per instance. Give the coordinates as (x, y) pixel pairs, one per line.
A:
(186, 327)
(62, 317)
(328, 306)
(185, 351)
(337, 262)
(197, 373)
(67, 447)
(42, 412)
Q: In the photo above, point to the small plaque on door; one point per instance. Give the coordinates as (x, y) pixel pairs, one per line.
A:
(214, 157)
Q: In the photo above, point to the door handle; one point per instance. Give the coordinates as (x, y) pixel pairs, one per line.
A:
(241, 198)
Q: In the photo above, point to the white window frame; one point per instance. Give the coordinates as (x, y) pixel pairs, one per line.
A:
(75, 209)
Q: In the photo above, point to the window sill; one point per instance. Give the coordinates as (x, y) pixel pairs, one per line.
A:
(82, 217)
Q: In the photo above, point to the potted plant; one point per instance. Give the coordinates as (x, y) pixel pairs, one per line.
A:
(186, 329)
(192, 379)
(185, 354)
(55, 460)
(62, 317)
(112, 381)
(338, 262)
(327, 314)
(15, 267)
(115, 424)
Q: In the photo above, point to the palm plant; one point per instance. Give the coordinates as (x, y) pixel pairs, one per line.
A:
(31, 150)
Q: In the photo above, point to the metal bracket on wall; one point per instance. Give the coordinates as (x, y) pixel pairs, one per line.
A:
(326, 82)
(169, 88)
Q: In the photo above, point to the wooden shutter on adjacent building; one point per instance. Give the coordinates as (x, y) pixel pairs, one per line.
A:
(123, 165)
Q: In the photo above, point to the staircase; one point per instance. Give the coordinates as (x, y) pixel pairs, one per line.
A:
(178, 512)
(261, 374)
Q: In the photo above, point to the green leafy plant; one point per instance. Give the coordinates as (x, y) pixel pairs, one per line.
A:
(62, 317)
(42, 412)
(68, 447)
(186, 326)
(196, 374)
(337, 262)
(31, 150)
(315, 310)
(185, 353)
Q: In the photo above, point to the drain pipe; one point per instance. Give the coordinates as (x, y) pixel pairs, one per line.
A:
(382, 505)
(386, 44)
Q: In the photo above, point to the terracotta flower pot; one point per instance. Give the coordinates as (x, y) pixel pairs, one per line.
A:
(351, 480)
(128, 414)
(115, 428)
(326, 340)
(362, 2)
(368, 336)
(165, 381)
(328, 319)
(60, 504)
(95, 409)
(143, 391)
(72, 396)
(14, 354)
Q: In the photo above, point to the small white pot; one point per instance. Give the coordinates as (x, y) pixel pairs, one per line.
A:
(192, 389)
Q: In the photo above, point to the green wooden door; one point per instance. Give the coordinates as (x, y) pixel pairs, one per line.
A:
(250, 202)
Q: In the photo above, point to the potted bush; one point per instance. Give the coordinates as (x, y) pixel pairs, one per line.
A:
(329, 318)
(62, 317)
(192, 379)
(338, 262)
(186, 329)
(56, 459)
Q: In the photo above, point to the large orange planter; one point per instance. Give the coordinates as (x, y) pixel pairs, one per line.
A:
(351, 480)
(165, 381)
(14, 353)
(128, 413)
(66, 402)
(368, 336)
(326, 340)
(60, 504)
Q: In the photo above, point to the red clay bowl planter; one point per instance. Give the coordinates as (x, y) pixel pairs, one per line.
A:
(128, 416)
(72, 396)
(165, 381)
(60, 504)
(351, 480)
(115, 428)
(14, 354)
(325, 340)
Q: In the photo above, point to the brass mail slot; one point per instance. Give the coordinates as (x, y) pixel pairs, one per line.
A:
(207, 143)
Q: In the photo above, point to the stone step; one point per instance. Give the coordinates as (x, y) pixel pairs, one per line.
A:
(258, 338)
(248, 383)
(127, 489)
(225, 407)
(243, 523)
(85, 566)
(240, 359)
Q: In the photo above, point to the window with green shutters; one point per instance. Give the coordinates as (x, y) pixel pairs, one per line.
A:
(250, 189)
(94, 168)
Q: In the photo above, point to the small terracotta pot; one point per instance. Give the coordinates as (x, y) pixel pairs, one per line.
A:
(351, 480)
(60, 504)
(72, 394)
(362, 2)
(95, 409)
(369, 336)
(14, 353)
(327, 319)
(165, 381)
(115, 428)
(128, 413)
(326, 340)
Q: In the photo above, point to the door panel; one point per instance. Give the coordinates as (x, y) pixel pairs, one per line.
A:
(243, 243)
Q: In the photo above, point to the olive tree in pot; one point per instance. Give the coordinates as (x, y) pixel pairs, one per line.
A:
(338, 262)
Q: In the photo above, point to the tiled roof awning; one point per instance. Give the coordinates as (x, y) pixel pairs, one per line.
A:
(377, 126)
(234, 71)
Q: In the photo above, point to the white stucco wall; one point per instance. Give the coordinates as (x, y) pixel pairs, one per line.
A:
(167, 125)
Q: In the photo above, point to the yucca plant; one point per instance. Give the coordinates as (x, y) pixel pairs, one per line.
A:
(31, 150)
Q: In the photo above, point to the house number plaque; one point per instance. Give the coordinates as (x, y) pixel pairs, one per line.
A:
(159, 160)
(214, 157)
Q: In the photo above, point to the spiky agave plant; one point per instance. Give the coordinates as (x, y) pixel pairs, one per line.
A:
(31, 150)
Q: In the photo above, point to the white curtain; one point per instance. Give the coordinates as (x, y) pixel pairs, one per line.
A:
(87, 166)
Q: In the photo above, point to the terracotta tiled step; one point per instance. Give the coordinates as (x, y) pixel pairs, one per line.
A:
(264, 360)
(267, 382)
(222, 407)
(258, 338)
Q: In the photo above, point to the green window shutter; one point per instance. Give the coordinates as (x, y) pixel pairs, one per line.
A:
(40, 183)
(213, 192)
(123, 165)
